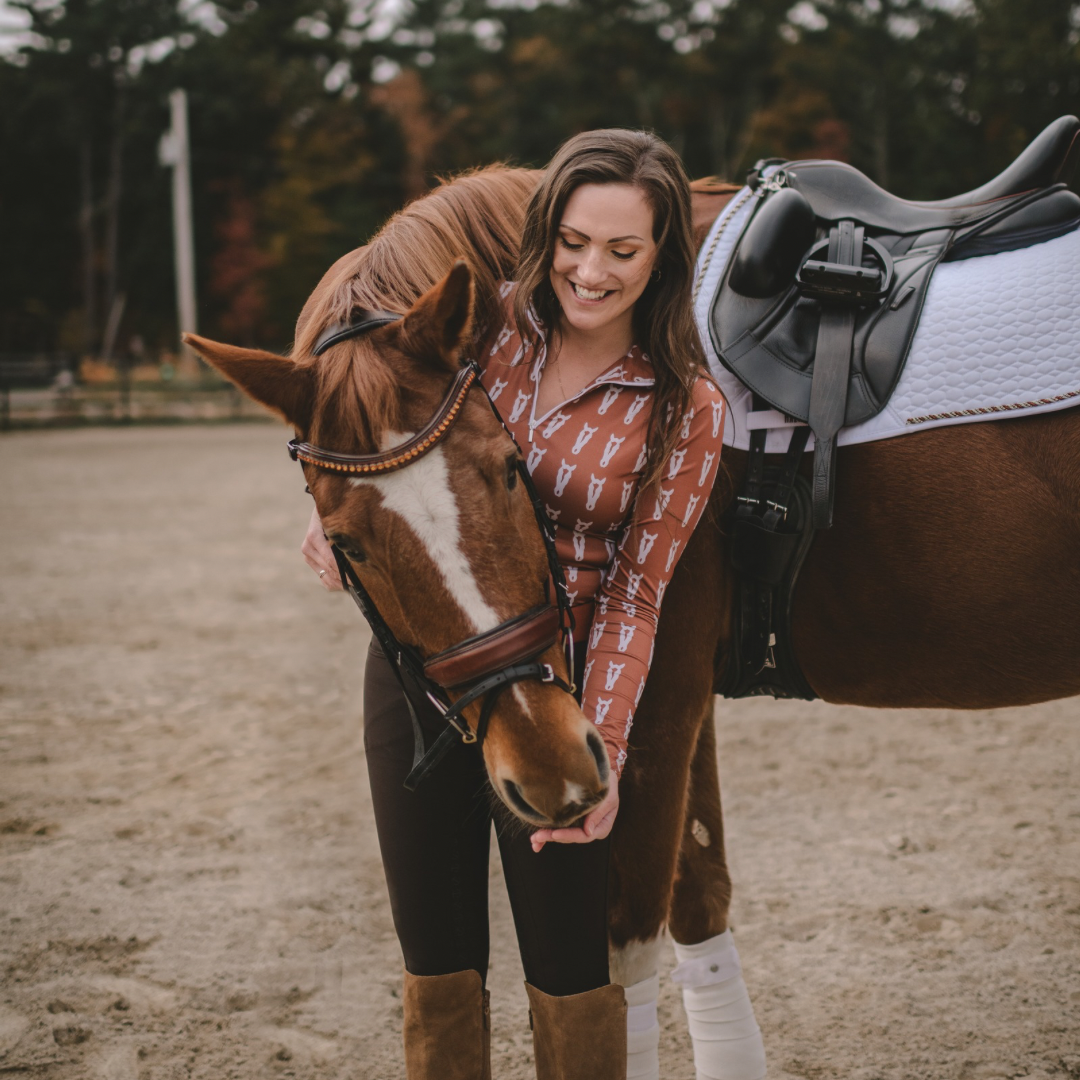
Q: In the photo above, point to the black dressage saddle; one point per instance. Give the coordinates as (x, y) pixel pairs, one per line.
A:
(815, 314)
(821, 297)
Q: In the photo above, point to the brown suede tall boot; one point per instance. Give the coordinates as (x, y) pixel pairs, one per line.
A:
(447, 1028)
(579, 1037)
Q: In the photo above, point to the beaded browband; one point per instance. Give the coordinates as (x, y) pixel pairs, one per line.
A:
(399, 456)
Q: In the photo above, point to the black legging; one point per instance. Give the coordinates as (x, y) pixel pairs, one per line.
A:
(435, 844)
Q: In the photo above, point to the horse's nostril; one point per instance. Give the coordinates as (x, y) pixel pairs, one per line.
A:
(514, 797)
(596, 748)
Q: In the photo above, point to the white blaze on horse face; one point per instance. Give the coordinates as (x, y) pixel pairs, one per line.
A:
(641, 459)
(660, 590)
(686, 427)
(691, 506)
(613, 444)
(422, 497)
(598, 629)
(610, 394)
(562, 477)
(596, 485)
(633, 584)
(535, 454)
(497, 388)
(706, 465)
(520, 402)
(627, 491)
(626, 635)
(553, 514)
(583, 437)
(602, 706)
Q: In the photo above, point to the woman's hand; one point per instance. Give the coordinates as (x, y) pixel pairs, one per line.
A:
(319, 555)
(596, 826)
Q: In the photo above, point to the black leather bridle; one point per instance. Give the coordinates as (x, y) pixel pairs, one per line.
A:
(480, 667)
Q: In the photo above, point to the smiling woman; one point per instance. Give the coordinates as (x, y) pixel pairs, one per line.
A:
(598, 374)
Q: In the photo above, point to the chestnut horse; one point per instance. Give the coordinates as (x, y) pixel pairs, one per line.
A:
(950, 579)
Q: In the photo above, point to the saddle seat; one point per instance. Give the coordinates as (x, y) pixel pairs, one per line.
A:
(836, 190)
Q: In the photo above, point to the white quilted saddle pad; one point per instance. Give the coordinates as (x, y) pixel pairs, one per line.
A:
(999, 336)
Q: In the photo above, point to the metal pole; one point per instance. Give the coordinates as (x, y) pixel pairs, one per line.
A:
(175, 151)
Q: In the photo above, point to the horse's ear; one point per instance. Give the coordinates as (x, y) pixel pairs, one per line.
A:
(276, 382)
(438, 326)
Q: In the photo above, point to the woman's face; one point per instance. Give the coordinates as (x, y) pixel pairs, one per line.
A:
(604, 254)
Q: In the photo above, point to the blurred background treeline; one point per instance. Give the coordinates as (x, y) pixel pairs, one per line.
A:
(313, 120)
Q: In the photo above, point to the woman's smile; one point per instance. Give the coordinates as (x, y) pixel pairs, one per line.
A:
(591, 296)
(604, 254)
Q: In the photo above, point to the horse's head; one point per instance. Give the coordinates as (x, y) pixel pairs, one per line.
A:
(447, 546)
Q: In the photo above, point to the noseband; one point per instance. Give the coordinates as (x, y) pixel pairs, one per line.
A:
(480, 667)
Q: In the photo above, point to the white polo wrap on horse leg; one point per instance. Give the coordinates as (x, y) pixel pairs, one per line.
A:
(727, 1041)
(642, 1030)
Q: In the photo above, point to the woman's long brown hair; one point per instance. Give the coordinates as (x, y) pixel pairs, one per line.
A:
(663, 319)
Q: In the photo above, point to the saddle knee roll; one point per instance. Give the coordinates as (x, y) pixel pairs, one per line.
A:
(727, 1040)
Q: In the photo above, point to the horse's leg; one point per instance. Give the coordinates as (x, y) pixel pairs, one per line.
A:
(702, 893)
(727, 1041)
(643, 862)
(646, 841)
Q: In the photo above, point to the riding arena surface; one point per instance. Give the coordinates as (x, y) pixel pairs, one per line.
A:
(190, 883)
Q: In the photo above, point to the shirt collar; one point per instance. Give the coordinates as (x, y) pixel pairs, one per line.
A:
(633, 369)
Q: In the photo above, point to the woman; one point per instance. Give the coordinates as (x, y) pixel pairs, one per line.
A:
(599, 374)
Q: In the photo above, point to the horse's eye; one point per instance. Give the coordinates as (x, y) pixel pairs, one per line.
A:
(349, 548)
(511, 472)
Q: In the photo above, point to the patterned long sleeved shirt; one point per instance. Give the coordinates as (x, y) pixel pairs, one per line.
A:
(618, 545)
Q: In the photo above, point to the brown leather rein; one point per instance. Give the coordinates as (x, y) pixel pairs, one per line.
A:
(483, 665)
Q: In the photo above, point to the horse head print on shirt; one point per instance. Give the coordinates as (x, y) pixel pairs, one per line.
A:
(612, 448)
(583, 437)
(562, 477)
(596, 485)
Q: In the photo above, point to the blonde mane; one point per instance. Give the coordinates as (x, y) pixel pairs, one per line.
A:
(477, 216)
